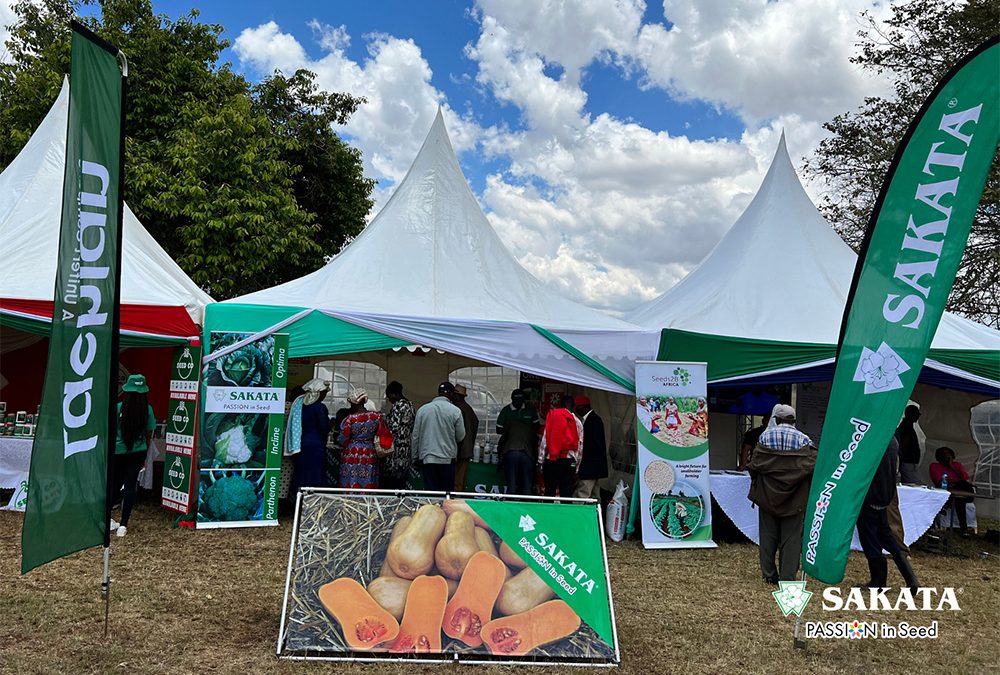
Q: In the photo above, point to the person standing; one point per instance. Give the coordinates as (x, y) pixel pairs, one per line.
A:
(437, 431)
(359, 433)
(909, 446)
(594, 462)
(136, 423)
(750, 439)
(471, 422)
(873, 524)
(399, 419)
(313, 430)
(517, 425)
(560, 449)
(781, 469)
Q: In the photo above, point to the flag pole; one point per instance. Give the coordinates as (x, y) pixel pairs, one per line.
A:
(112, 488)
(796, 642)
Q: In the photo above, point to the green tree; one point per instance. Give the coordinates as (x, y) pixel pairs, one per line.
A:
(331, 183)
(228, 177)
(913, 49)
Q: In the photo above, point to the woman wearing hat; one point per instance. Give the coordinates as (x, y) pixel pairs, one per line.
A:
(310, 461)
(359, 433)
(136, 422)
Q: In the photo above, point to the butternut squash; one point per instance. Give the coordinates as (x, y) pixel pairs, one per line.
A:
(451, 506)
(522, 592)
(363, 622)
(458, 544)
(518, 634)
(485, 543)
(390, 593)
(452, 586)
(397, 529)
(412, 553)
(472, 605)
(508, 556)
(420, 630)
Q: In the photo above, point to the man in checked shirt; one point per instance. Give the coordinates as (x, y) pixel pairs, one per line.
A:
(781, 469)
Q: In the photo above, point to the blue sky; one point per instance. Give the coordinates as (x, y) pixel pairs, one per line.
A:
(611, 143)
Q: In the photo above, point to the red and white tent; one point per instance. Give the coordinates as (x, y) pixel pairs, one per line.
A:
(160, 303)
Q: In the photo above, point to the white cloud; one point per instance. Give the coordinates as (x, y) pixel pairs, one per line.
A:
(604, 209)
(760, 59)
(395, 79)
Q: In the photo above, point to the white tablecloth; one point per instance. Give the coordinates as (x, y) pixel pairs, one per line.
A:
(15, 459)
(918, 506)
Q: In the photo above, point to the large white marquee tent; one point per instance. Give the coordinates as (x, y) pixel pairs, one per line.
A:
(430, 270)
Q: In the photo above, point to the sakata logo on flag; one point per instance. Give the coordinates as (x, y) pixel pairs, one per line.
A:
(527, 523)
(880, 369)
(792, 597)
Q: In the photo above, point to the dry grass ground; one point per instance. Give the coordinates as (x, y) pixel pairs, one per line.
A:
(210, 602)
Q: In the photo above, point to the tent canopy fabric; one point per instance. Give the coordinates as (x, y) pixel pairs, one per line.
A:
(159, 301)
(770, 296)
(430, 270)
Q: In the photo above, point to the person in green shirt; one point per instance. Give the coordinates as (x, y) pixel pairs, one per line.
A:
(518, 425)
(136, 422)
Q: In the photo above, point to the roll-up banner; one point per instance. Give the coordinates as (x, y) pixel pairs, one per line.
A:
(915, 240)
(242, 431)
(67, 501)
(675, 499)
(182, 430)
(376, 575)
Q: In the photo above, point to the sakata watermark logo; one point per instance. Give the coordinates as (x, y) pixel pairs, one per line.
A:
(792, 597)
(880, 369)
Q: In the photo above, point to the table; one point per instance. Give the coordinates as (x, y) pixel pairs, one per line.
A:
(15, 461)
(918, 506)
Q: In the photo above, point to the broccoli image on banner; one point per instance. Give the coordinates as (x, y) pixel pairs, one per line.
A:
(229, 497)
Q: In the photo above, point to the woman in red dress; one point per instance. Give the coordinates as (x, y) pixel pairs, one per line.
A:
(359, 433)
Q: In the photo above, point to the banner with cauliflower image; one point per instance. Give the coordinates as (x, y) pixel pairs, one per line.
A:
(416, 577)
(674, 493)
(242, 430)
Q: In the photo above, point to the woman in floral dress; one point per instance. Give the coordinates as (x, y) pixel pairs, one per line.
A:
(399, 419)
(358, 435)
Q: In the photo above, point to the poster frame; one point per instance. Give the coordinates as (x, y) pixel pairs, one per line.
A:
(443, 660)
(642, 506)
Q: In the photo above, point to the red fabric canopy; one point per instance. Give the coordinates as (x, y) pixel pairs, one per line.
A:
(151, 319)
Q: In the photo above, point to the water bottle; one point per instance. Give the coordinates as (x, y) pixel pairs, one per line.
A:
(944, 481)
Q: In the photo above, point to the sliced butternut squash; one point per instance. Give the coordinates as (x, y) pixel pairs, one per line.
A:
(485, 543)
(522, 592)
(363, 622)
(420, 630)
(472, 605)
(412, 553)
(518, 634)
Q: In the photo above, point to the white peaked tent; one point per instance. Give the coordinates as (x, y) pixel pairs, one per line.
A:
(769, 299)
(766, 304)
(430, 270)
(159, 301)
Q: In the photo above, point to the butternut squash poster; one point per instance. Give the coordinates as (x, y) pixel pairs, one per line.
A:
(377, 576)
